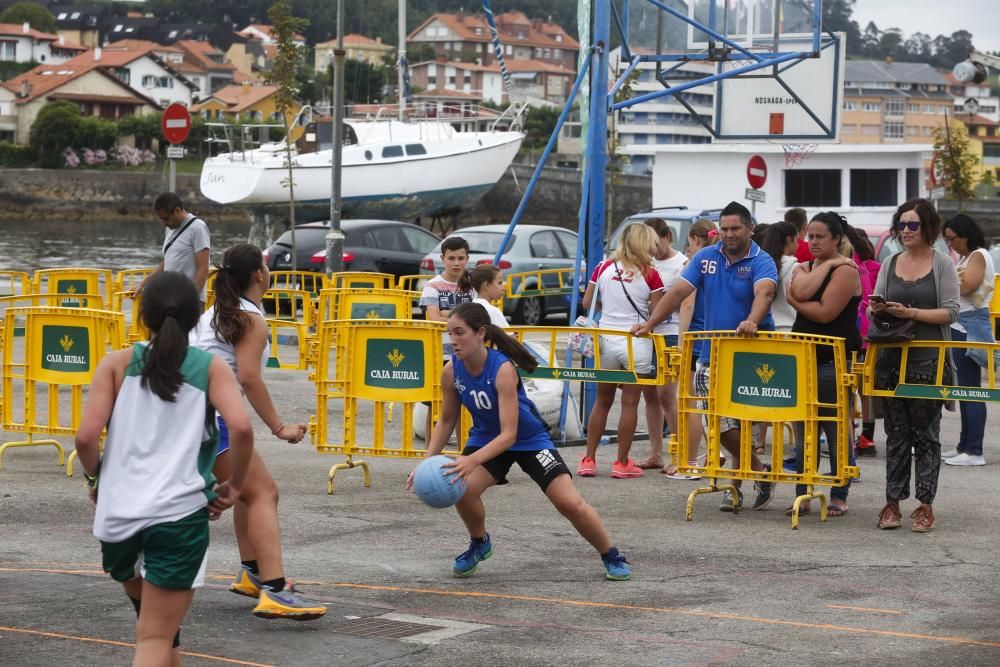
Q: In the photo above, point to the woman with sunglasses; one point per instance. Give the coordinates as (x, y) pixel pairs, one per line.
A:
(976, 274)
(918, 284)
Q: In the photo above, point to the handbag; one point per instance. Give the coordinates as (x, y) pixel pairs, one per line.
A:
(886, 328)
(580, 341)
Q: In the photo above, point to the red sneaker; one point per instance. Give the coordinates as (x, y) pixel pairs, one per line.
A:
(865, 447)
(587, 467)
(625, 470)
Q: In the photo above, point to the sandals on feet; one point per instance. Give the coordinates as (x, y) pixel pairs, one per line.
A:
(803, 509)
(648, 464)
(835, 510)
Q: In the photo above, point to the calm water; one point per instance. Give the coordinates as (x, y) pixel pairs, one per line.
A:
(115, 245)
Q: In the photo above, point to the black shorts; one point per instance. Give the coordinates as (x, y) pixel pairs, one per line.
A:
(542, 465)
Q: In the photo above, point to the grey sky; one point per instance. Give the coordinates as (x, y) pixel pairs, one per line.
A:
(935, 17)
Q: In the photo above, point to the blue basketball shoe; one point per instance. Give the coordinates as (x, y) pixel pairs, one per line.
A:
(468, 561)
(616, 566)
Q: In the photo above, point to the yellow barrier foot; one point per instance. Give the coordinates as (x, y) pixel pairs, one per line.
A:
(32, 443)
(69, 463)
(715, 488)
(805, 499)
(347, 465)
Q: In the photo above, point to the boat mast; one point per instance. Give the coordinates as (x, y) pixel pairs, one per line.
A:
(402, 60)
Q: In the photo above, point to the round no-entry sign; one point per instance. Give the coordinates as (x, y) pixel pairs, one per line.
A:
(176, 123)
(756, 172)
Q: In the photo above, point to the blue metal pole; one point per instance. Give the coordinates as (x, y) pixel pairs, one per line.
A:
(770, 62)
(581, 233)
(541, 161)
(597, 165)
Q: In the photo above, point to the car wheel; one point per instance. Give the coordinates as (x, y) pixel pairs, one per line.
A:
(530, 311)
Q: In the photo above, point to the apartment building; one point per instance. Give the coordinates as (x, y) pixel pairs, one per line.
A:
(893, 102)
(467, 37)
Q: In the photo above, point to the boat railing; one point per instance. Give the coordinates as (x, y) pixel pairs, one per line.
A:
(242, 141)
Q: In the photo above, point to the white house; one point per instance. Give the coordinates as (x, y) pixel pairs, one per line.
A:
(146, 67)
(21, 43)
(863, 182)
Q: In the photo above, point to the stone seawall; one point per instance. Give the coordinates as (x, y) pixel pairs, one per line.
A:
(67, 194)
(70, 195)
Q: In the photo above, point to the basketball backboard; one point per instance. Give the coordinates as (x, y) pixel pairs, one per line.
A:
(752, 24)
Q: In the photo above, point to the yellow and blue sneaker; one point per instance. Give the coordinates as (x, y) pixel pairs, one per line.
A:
(286, 604)
(246, 583)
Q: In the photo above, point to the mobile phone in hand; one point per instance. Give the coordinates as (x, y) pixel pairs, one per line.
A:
(876, 298)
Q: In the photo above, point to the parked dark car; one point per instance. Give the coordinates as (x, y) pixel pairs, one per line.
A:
(384, 246)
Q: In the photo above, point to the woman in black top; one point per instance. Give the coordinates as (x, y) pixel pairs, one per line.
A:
(826, 295)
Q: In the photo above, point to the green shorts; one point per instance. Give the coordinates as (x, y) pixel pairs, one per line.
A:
(170, 555)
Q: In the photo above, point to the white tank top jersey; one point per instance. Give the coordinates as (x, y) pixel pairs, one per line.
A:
(496, 315)
(670, 271)
(981, 297)
(158, 456)
(203, 337)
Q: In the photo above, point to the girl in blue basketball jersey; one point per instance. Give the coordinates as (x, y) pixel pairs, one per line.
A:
(506, 429)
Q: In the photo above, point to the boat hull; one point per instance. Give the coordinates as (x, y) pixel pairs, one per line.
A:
(405, 188)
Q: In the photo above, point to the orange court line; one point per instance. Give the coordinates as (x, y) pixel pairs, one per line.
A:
(877, 611)
(110, 642)
(613, 605)
(670, 610)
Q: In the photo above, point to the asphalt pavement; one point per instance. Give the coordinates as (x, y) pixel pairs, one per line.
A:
(722, 589)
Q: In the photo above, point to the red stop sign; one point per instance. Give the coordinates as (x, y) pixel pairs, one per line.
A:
(756, 172)
(176, 123)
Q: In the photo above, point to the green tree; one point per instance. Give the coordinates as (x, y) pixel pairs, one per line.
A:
(284, 75)
(55, 129)
(144, 128)
(539, 124)
(36, 16)
(952, 148)
(94, 132)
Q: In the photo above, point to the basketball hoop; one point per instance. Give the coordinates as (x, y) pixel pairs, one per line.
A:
(796, 154)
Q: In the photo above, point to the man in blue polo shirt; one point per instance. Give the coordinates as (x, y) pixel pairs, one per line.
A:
(737, 281)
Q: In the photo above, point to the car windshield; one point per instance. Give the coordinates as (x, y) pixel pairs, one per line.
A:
(485, 243)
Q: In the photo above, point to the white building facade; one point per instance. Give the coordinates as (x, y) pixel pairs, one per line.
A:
(864, 183)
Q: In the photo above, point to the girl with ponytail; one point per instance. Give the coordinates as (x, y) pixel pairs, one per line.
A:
(157, 493)
(234, 329)
(506, 429)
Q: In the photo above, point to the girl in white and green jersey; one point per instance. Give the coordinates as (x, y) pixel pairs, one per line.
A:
(153, 489)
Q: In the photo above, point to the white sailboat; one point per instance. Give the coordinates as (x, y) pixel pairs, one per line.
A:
(391, 169)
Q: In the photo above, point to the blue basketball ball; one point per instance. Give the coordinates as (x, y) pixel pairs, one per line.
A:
(433, 483)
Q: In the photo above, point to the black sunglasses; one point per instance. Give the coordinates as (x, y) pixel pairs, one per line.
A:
(913, 226)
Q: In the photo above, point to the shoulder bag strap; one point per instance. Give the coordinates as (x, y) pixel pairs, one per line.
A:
(627, 296)
(178, 233)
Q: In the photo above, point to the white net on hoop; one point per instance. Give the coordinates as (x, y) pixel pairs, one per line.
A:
(796, 154)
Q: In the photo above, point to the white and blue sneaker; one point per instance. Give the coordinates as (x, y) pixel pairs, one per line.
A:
(615, 566)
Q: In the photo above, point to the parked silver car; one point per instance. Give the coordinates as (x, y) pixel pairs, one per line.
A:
(530, 248)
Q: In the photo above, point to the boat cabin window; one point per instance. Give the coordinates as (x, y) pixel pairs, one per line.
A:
(415, 149)
(350, 136)
(392, 151)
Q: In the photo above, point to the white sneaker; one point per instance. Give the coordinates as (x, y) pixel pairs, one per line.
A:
(950, 454)
(964, 459)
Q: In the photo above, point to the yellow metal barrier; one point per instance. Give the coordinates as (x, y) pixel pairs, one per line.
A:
(293, 312)
(413, 283)
(555, 340)
(377, 362)
(939, 390)
(129, 279)
(361, 304)
(61, 349)
(15, 283)
(995, 302)
(128, 305)
(361, 280)
(75, 281)
(308, 281)
(94, 301)
(771, 378)
(544, 282)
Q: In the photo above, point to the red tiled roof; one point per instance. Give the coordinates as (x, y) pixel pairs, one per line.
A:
(237, 98)
(119, 54)
(46, 78)
(267, 30)
(539, 33)
(199, 54)
(355, 39)
(17, 30)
